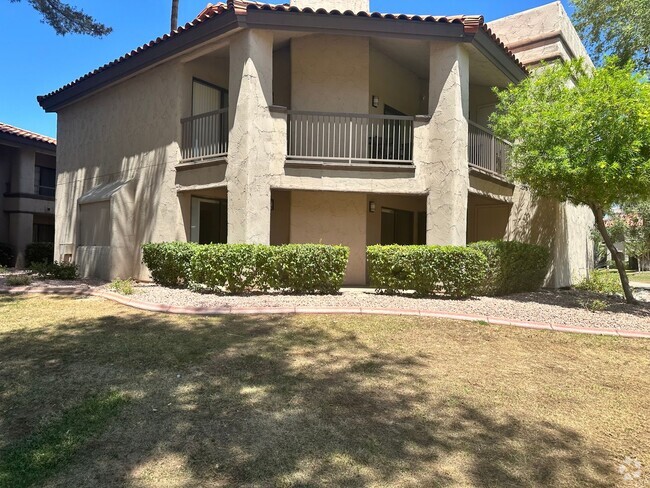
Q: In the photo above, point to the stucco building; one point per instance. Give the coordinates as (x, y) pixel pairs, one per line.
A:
(27, 188)
(310, 122)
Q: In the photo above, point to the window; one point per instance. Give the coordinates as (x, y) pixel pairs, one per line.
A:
(43, 233)
(44, 181)
(209, 221)
(396, 227)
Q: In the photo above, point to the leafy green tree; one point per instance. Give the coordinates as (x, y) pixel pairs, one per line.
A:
(620, 27)
(65, 18)
(581, 136)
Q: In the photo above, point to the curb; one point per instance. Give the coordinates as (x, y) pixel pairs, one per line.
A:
(216, 311)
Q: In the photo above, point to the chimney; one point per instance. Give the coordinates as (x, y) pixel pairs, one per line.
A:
(340, 5)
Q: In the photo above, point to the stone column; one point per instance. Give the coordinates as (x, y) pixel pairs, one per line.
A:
(22, 175)
(251, 137)
(20, 235)
(441, 145)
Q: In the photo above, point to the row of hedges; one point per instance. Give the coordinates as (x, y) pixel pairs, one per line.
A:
(239, 268)
(36, 252)
(483, 268)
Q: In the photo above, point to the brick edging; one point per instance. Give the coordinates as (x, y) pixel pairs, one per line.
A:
(226, 310)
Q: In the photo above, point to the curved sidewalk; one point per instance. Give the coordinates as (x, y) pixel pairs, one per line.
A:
(155, 307)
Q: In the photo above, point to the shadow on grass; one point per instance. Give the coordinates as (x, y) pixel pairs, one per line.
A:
(260, 401)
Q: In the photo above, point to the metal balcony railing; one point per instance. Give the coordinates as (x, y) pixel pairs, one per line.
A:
(205, 136)
(487, 151)
(350, 138)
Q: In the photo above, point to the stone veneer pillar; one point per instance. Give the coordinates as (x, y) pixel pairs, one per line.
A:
(442, 145)
(251, 137)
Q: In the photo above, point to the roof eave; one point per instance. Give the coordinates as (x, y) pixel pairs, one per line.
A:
(147, 58)
(509, 65)
(21, 141)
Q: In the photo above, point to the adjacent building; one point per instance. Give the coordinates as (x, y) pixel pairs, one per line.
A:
(27, 188)
(314, 121)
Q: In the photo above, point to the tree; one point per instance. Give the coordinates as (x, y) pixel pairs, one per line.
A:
(174, 22)
(620, 27)
(66, 19)
(581, 136)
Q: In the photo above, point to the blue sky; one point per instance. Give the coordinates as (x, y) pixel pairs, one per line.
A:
(36, 61)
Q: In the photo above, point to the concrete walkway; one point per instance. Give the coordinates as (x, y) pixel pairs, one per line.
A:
(151, 307)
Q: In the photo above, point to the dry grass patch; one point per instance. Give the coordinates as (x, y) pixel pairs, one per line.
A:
(322, 400)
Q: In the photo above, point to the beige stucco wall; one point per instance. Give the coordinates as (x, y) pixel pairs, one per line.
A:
(105, 138)
(332, 218)
(341, 5)
(395, 86)
(331, 79)
(280, 218)
(539, 22)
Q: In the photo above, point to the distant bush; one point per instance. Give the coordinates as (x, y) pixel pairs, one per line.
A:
(56, 270)
(604, 282)
(513, 267)
(169, 262)
(453, 271)
(18, 280)
(7, 256)
(39, 252)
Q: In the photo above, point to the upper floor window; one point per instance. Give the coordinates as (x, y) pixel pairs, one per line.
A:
(207, 97)
(44, 181)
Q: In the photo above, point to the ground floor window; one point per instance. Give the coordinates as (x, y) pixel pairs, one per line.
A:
(396, 227)
(43, 233)
(209, 221)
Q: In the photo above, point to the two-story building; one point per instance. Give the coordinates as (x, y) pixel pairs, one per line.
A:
(304, 123)
(27, 187)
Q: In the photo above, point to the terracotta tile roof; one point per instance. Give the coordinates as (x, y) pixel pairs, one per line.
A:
(16, 131)
(471, 24)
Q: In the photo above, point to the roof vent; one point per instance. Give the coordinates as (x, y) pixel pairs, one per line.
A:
(340, 5)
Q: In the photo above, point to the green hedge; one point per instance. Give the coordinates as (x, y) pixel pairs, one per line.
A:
(429, 270)
(308, 268)
(169, 262)
(39, 252)
(240, 268)
(513, 267)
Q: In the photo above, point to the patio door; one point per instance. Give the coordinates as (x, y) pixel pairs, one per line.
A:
(209, 221)
(396, 227)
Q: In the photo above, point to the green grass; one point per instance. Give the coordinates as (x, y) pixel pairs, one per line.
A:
(642, 277)
(53, 445)
(310, 401)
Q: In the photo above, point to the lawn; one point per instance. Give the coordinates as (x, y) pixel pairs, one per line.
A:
(642, 277)
(96, 394)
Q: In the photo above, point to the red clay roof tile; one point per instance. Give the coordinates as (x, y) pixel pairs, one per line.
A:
(16, 131)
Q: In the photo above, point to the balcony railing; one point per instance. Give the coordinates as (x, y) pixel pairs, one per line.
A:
(487, 151)
(205, 136)
(350, 138)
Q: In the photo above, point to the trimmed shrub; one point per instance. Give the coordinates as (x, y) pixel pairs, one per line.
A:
(235, 268)
(7, 256)
(294, 268)
(513, 267)
(18, 280)
(453, 271)
(39, 252)
(56, 270)
(308, 268)
(124, 287)
(169, 262)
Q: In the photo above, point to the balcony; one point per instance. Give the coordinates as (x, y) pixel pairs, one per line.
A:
(350, 138)
(205, 136)
(486, 151)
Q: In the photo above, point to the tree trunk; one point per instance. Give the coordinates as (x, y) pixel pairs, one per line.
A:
(625, 282)
(174, 20)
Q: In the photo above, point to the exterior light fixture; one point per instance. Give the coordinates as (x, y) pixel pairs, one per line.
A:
(371, 207)
(375, 101)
